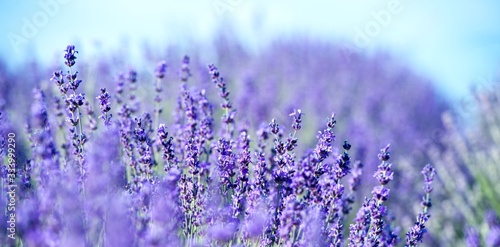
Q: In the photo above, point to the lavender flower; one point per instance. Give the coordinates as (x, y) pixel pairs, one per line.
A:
(415, 234)
(325, 138)
(104, 100)
(185, 71)
(297, 116)
(91, 120)
(213, 189)
(132, 76)
(239, 197)
(58, 78)
(472, 237)
(73, 81)
(168, 149)
(74, 102)
(120, 85)
(429, 171)
(206, 121)
(226, 164)
(493, 236)
(69, 55)
(380, 194)
(44, 149)
(228, 117)
(132, 79)
(290, 220)
(161, 68)
(359, 229)
(355, 180)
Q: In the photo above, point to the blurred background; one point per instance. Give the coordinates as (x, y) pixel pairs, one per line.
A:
(454, 44)
(421, 75)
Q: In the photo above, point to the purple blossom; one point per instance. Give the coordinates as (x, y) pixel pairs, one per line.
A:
(290, 220)
(380, 194)
(359, 229)
(69, 55)
(226, 164)
(384, 174)
(73, 81)
(215, 188)
(120, 86)
(297, 116)
(185, 71)
(493, 237)
(325, 138)
(241, 190)
(229, 113)
(472, 237)
(104, 101)
(45, 153)
(161, 68)
(132, 76)
(355, 180)
(167, 145)
(416, 232)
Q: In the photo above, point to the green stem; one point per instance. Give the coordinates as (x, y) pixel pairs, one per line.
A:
(80, 153)
(426, 208)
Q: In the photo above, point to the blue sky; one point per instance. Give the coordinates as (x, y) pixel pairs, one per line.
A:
(456, 43)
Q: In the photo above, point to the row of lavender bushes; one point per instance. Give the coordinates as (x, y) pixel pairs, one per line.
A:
(379, 97)
(381, 100)
(118, 176)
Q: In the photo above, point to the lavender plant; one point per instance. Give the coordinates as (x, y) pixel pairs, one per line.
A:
(467, 161)
(135, 180)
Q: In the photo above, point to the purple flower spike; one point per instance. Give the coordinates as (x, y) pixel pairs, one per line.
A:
(104, 101)
(161, 68)
(229, 113)
(384, 174)
(69, 55)
(185, 72)
(472, 237)
(132, 76)
(428, 173)
(384, 154)
(297, 117)
(275, 129)
(415, 234)
(168, 150)
(380, 193)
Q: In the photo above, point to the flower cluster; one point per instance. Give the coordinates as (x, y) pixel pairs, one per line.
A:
(138, 184)
(104, 101)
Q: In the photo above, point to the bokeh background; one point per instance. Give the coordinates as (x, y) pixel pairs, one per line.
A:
(421, 75)
(455, 44)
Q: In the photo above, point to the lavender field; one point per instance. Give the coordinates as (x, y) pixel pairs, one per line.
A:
(188, 159)
(300, 142)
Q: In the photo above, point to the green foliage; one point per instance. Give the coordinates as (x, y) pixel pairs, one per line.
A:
(468, 163)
